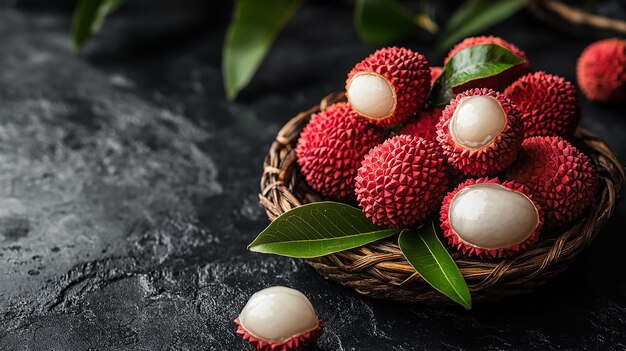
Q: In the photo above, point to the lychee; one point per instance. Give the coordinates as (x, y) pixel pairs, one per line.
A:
(499, 81)
(562, 179)
(331, 147)
(601, 71)
(389, 86)
(279, 319)
(425, 126)
(548, 103)
(490, 219)
(401, 181)
(480, 132)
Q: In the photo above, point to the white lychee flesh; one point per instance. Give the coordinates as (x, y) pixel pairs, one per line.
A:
(491, 216)
(477, 121)
(372, 96)
(277, 314)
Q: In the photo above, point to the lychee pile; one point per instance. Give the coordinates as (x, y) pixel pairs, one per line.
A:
(497, 163)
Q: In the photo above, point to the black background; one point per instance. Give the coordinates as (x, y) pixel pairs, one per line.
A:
(128, 190)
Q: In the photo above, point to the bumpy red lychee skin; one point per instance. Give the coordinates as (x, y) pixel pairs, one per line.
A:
(562, 178)
(409, 74)
(497, 82)
(297, 343)
(601, 71)
(331, 147)
(470, 250)
(549, 104)
(435, 72)
(401, 181)
(425, 126)
(491, 159)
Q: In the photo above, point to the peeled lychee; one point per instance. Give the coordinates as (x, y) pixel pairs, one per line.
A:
(480, 132)
(548, 103)
(425, 126)
(331, 147)
(279, 319)
(497, 82)
(487, 218)
(401, 181)
(389, 86)
(563, 180)
(601, 71)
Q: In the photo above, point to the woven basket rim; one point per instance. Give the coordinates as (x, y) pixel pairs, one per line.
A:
(379, 269)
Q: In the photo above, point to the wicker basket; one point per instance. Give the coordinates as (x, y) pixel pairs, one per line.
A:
(379, 269)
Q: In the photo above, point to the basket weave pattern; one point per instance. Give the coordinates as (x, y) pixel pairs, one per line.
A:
(379, 269)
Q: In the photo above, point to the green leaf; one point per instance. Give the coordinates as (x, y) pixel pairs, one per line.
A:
(381, 21)
(89, 17)
(251, 32)
(475, 16)
(430, 259)
(475, 62)
(318, 229)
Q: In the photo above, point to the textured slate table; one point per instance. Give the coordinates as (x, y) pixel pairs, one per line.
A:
(128, 192)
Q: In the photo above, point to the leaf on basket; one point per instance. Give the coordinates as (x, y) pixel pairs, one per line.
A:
(430, 259)
(475, 62)
(318, 229)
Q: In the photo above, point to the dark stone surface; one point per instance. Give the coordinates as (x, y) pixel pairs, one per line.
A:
(128, 193)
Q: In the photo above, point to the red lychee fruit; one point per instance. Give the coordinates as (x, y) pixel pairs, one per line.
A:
(549, 104)
(601, 71)
(497, 82)
(401, 181)
(331, 147)
(490, 219)
(425, 126)
(480, 132)
(563, 179)
(389, 86)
